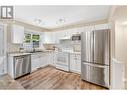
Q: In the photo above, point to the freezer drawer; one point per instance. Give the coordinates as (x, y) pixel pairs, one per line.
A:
(85, 72)
(95, 73)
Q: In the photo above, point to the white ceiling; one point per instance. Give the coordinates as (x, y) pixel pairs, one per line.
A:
(50, 15)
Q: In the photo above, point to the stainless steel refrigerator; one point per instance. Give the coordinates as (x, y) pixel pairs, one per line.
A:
(95, 56)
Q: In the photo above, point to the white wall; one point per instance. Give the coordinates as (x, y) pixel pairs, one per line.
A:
(125, 51)
(120, 43)
(121, 47)
(125, 54)
(3, 58)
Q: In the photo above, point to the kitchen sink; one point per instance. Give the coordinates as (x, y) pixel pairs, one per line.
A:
(35, 51)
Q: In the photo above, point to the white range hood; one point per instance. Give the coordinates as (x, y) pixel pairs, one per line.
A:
(66, 38)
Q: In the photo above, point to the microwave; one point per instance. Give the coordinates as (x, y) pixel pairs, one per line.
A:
(76, 37)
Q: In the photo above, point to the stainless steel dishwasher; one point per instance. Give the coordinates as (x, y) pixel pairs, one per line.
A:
(22, 65)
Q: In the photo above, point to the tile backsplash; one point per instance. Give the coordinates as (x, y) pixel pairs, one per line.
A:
(77, 47)
(72, 45)
(13, 47)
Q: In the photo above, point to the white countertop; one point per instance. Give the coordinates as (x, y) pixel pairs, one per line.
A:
(18, 54)
(25, 53)
(75, 52)
(68, 52)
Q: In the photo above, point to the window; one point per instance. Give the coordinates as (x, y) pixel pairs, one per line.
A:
(27, 38)
(35, 39)
(31, 40)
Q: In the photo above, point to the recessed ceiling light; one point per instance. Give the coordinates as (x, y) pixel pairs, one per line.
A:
(39, 22)
(60, 21)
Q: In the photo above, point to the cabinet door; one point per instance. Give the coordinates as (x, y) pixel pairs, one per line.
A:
(54, 58)
(49, 37)
(89, 28)
(81, 29)
(72, 62)
(102, 26)
(50, 58)
(78, 62)
(17, 34)
(56, 37)
(78, 66)
(43, 60)
(35, 62)
(75, 63)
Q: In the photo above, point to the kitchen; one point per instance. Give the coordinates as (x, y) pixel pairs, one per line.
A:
(38, 54)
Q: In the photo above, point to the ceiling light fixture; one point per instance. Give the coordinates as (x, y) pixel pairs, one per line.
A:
(60, 21)
(38, 21)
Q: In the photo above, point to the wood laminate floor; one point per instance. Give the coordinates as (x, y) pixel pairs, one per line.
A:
(52, 78)
(7, 83)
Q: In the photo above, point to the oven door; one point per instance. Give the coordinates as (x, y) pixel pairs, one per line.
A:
(62, 61)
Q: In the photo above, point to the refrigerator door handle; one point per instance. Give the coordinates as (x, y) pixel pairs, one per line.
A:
(94, 65)
(91, 46)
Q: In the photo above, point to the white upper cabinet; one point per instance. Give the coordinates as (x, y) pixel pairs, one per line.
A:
(102, 26)
(80, 30)
(17, 33)
(89, 28)
(97, 27)
(66, 34)
(49, 38)
(55, 37)
(58, 35)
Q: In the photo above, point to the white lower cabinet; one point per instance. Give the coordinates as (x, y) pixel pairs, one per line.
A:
(37, 61)
(75, 63)
(54, 58)
(41, 60)
(50, 58)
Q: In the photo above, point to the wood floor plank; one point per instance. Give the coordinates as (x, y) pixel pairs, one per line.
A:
(34, 75)
(52, 78)
(31, 79)
(36, 81)
(49, 80)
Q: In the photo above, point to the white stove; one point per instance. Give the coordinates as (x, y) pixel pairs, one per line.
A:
(62, 61)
